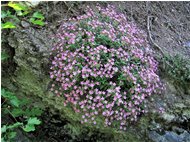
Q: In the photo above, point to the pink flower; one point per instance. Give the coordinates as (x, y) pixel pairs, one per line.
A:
(91, 92)
(109, 81)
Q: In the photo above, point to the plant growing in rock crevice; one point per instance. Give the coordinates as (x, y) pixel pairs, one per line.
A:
(177, 68)
(102, 66)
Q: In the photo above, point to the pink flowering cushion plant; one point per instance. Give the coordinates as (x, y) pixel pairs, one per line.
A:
(102, 68)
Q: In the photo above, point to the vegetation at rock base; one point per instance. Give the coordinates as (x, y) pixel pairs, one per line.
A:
(24, 117)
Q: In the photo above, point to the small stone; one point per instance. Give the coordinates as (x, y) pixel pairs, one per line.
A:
(185, 136)
(152, 99)
(172, 137)
(187, 44)
(177, 129)
(171, 88)
(168, 117)
(186, 113)
(154, 136)
(25, 24)
(35, 3)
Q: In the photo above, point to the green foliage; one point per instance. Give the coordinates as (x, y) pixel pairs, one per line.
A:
(78, 133)
(33, 112)
(8, 25)
(37, 19)
(4, 14)
(38, 15)
(19, 9)
(9, 96)
(23, 115)
(16, 6)
(177, 68)
(74, 131)
(30, 126)
(7, 15)
(8, 133)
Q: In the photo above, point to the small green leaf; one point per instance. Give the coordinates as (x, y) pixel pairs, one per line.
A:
(34, 121)
(3, 129)
(8, 13)
(17, 112)
(30, 125)
(25, 101)
(4, 56)
(33, 112)
(14, 125)
(11, 97)
(16, 6)
(3, 14)
(25, 13)
(29, 128)
(12, 135)
(8, 25)
(38, 15)
(15, 102)
(5, 93)
(3, 140)
(32, 19)
(19, 13)
(37, 19)
(37, 22)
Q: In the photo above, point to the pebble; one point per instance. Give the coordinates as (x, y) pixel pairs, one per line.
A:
(187, 44)
(25, 24)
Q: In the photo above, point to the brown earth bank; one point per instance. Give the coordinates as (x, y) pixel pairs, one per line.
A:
(27, 72)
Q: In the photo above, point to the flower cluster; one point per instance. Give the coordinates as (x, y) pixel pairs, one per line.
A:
(102, 68)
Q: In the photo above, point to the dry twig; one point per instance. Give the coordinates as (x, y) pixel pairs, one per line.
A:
(69, 9)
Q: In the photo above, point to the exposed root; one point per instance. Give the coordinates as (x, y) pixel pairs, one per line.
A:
(150, 35)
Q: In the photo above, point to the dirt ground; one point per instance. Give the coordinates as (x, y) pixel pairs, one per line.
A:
(170, 22)
(170, 26)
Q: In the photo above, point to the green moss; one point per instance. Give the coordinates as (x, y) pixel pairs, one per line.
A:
(186, 113)
(31, 85)
(144, 122)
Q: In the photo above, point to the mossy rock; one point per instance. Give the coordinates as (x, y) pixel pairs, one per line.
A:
(31, 79)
